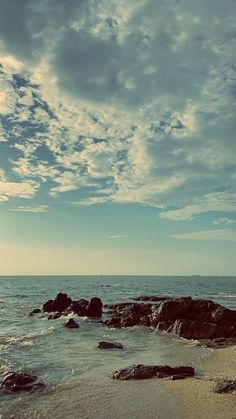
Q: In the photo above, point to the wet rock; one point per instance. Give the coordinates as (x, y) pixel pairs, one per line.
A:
(140, 372)
(194, 319)
(79, 307)
(34, 311)
(151, 298)
(94, 308)
(225, 386)
(17, 382)
(71, 324)
(48, 306)
(110, 345)
(54, 316)
(60, 303)
(129, 314)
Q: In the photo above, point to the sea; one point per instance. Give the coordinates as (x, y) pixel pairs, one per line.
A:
(78, 374)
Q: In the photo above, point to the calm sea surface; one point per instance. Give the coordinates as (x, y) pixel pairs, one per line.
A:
(77, 373)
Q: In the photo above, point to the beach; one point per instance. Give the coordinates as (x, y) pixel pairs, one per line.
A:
(78, 375)
(196, 398)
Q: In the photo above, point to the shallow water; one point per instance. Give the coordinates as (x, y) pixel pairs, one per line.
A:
(77, 373)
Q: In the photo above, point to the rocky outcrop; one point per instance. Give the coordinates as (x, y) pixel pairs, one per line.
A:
(129, 314)
(151, 298)
(94, 308)
(71, 324)
(59, 304)
(141, 372)
(17, 382)
(64, 304)
(225, 386)
(79, 307)
(184, 316)
(110, 345)
(194, 319)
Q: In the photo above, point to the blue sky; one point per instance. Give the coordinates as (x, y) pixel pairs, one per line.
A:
(117, 137)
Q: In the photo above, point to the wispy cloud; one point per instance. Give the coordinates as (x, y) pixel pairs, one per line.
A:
(117, 236)
(224, 234)
(21, 208)
(226, 221)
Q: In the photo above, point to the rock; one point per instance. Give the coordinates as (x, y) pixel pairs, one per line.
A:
(151, 298)
(71, 324)
(225, 386)
(60, 303)
(94, 308)
(54, 316)
(140, 372)
(110, 345)
(48, 306)
(79, 307)
(189, 329)
(129, 314)
(177, 377)
(17, 382)
(194, 319)
(34, 311)
(224, 317)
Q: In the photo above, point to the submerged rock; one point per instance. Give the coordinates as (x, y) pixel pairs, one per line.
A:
(71, 324)
(54, 316)
(34, 311)
(225, 386)
(140, 372)
(16, 382)
(110, 345)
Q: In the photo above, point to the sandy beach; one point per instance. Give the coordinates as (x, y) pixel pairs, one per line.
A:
(196, 398)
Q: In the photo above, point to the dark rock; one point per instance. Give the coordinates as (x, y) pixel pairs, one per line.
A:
(225, 386)
(34, 311)
(60, 303)
(224, 317)
(194, 319)
(151, 298)
(110, 345)
(94, 308)
(17, 382)
(188, 318)
(129, 314)
(79, 307)
(48, 306)
(177, 377)
(71, 324)
(140, 372)
(54, 316)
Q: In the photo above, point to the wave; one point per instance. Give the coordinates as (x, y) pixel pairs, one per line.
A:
(25, 340)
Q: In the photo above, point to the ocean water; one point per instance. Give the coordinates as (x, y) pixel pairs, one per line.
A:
(78, 375)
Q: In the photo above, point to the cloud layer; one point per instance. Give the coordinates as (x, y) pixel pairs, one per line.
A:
(124, 102)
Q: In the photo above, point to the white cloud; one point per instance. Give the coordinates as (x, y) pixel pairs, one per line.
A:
(39, 208)
(217, 201)
(226, 221)
(21, 190)
(116, 236)
(229, 235)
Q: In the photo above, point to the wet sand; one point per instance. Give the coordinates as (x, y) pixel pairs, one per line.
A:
(195, 397)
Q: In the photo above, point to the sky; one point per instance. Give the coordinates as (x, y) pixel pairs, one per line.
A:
(117, 137)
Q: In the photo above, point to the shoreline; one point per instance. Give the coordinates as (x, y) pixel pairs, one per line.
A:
(195, 397)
